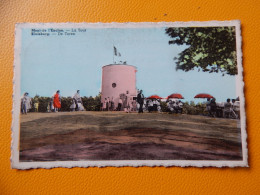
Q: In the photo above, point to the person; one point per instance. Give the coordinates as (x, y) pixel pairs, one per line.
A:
(125, 103)
(155, 105)
(73, 105)
(36, 106)
(134, 105)
(48, 107)
(145, 105)
(213, 107)
(51, 104)
(219, 111)
(150, 105)
(234, 109)
(57, 101)
(170, 106)
(108, 104)
(180, 106)
(25, 103)
(227, 109)
(120, 102)
(78, 101)
(105, 105)
(159, 105)
(208, 106)
(174, 106)
(128, 107)
(101, 106)
(112, 104)
(140, 101)
(177, 106)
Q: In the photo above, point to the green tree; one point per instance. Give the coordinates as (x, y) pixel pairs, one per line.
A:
(210, 49)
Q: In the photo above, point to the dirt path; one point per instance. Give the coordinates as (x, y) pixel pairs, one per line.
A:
(121, 136)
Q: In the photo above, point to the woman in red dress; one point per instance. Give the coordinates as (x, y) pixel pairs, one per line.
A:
(56, 101)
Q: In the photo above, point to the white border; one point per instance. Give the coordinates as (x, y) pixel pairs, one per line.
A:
(119, 163)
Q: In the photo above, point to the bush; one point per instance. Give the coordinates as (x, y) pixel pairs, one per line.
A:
(43, 103)
(92, 104)
(65, 104)
(194, 109)
(164, 107)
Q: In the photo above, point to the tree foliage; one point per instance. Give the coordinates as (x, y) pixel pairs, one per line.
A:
(210, 49)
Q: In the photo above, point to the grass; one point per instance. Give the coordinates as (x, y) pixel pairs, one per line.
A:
(122, 136)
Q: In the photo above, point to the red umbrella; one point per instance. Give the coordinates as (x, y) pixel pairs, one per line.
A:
(176, 95)
(203, 95)
(154, 97)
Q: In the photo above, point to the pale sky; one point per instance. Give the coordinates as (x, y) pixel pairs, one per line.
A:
(68, 63)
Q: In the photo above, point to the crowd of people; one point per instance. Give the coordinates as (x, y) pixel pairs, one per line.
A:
(175, 106)
(154, 105)
(128, 104)
(54, 104)
(124, 104)
(108, 105)
(228, 109)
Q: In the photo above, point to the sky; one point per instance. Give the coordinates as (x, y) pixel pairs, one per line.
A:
(71, 62)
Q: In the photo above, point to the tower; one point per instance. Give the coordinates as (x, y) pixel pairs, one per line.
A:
(118, 80)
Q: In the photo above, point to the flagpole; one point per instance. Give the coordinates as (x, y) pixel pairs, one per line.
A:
(113, 54)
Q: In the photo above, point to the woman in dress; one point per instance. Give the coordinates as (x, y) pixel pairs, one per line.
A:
(57, 101)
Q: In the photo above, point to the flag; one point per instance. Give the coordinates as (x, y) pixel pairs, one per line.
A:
(115, 51)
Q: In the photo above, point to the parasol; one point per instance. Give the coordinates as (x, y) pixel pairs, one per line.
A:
(154, 97)
(176, 96)
(203, 95)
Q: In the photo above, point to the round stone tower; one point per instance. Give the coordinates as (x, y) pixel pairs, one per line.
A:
(118, 80)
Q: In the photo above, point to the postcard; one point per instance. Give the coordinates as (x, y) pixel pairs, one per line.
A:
(128, 94)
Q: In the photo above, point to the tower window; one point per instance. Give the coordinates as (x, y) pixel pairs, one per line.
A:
(113, 85)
